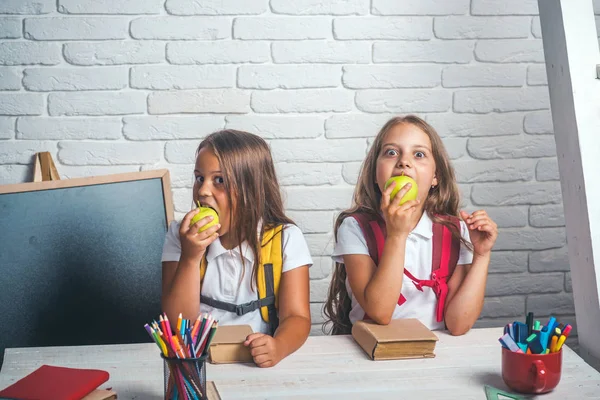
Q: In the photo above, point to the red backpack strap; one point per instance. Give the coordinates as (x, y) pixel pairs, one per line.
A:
(374, 232)
(446, 249)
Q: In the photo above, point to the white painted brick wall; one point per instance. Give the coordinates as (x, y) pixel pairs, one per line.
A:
(449, 124)
(482, 27)
(536, 75)
(180, 28)
(27, 6)
(218, 52)
(382, 28)
(354, 125)
(281, 28)
(501, 100)
(509, 51)
(539, 122)
(547, 170)
(110, 7)
(114, 52)
(329, 52)
(484, 75)
(96, 103)
(309, 174)
(29, 53)
(167, 127)
(73, 79)
(10, 28)
(278, 126)
(403, 100)
(459, 52)
(52, 128)
(516, 147)
(318, 7)
(288, 76)
(182, 77)
(111, 86)
(389, 77)
(7, 127)
(303, 101)
(199, 101)
(471, 171)
(216, 7)
(80, 28)
(10, 78)
(420, 7)
(21, 104)
(76, 153)
(509, 217)
(319, 151)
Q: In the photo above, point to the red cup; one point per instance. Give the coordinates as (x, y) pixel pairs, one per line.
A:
(531, 373)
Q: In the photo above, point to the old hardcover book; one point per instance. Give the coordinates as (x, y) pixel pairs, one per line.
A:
(228, 345)
(101, 394)
(401, 338)
(50, 382)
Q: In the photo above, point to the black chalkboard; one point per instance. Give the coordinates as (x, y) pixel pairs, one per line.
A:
(80, 259)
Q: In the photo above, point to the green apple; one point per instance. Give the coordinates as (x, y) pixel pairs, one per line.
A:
(205, 212)
(400, 182)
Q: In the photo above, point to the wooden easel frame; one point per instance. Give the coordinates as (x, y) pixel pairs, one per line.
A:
(44, 168)
(163, 174)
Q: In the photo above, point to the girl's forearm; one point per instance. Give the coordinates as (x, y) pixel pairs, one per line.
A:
(465, 307)
(183, 295)
(382, 292)
(292, 334)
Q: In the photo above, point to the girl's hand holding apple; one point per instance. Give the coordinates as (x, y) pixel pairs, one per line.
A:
(399, 211)
(197, 231)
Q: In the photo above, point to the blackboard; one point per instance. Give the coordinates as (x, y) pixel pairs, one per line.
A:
(80, 259)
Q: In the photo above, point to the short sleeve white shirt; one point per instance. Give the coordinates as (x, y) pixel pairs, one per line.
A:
(229, 273)
(417, 260)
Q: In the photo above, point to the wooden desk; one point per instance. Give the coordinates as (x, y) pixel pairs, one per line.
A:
(324, 368)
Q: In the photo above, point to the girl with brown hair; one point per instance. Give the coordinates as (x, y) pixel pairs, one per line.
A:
(220, 269)
(388, 265)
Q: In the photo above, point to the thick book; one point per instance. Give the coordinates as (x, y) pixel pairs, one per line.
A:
(101, 394)
(228, 345)
(400, 339)
(51, 383)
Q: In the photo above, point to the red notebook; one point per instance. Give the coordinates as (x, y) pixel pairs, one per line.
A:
(56, 383)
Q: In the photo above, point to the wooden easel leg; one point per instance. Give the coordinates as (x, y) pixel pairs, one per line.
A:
(37, 169)
(44, 168)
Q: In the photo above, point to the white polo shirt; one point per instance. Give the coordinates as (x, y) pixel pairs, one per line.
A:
(417, 260)
(224, 280)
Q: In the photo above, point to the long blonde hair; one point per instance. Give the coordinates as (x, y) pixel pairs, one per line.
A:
(443, 199)
(251, 185)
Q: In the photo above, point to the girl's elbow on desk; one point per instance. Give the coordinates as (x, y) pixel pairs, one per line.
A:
(458, 328)
(381, 318)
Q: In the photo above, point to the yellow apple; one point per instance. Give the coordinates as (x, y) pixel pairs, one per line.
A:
(205, 212)
(400, 182)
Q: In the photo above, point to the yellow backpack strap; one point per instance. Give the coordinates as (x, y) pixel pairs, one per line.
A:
(269, 274)
(202, 269)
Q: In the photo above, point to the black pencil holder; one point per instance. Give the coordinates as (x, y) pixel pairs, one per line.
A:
(184, 374)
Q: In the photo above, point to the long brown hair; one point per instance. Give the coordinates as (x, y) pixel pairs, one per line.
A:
(251, 185)
(443, 199)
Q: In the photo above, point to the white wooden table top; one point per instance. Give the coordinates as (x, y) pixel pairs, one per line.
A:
(326, 367)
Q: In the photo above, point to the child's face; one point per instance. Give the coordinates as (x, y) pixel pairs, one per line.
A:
(407, 149)
(209, 186)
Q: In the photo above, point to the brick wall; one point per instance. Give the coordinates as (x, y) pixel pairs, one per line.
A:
(109, 86)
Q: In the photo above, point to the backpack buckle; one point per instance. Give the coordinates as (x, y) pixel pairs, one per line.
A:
(243, 309)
